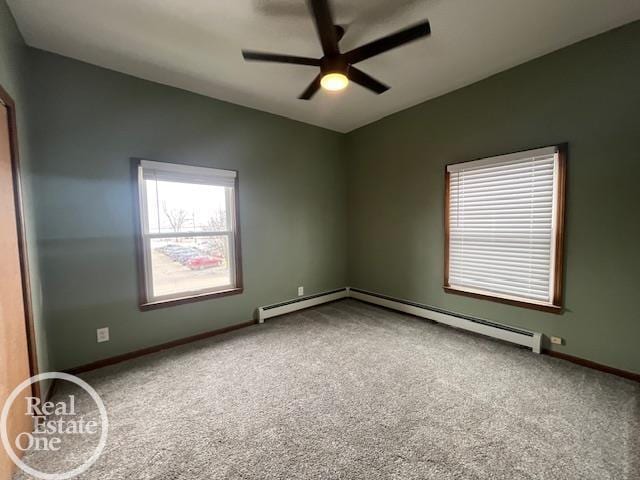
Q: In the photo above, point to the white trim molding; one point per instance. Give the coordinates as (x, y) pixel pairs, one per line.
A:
(276, 309)
(507, 333)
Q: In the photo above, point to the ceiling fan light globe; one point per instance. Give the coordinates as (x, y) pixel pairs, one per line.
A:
(334, 81)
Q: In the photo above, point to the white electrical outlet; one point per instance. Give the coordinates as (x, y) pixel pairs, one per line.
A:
(300, 291)
(102, 334)
(556, 340)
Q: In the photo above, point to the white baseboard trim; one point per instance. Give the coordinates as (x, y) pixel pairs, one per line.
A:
(518, 336)
(507, 333)
(289, 306)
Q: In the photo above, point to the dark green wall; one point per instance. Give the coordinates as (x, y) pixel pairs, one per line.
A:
(588, 95)
(14, 73)
(88, 122)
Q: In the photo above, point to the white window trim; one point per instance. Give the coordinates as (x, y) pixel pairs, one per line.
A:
(192, 174)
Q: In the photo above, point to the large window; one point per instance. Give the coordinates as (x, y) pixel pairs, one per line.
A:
(188, 232)
(504, 227)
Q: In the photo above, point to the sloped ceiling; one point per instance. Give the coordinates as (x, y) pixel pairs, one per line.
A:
(195, 45)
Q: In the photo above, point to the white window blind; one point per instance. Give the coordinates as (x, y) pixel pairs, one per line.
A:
(502, 225)
(173, 172)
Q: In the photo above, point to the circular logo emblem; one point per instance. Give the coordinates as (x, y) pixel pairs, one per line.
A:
(51, 432)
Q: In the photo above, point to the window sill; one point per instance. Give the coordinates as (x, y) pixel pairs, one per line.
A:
(190, 299)
(545, 307)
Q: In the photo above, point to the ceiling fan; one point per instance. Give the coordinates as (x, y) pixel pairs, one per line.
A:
(336, 68)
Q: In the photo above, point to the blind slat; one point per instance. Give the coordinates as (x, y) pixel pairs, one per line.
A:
(460, 180)
(539, 274)
(539, 223)
(524, 206)
(513, 264)
(502, 245)
(510, 252)
(499, 216)
(499, 289)
(504, 285)
(523, 201)
(505, 278)
(517, 198)
(504, 189)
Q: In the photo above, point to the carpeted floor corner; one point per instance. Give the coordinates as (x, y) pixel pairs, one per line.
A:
(351, 391)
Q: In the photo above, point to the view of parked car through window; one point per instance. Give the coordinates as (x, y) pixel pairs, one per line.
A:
(188, 233)
(189, 264)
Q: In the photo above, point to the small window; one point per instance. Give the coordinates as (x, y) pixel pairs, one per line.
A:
(504, 228)
(188, 232)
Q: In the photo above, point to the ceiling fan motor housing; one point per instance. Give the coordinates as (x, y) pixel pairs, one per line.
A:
(335, 64)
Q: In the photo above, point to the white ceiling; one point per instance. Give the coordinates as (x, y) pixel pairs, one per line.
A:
(195, 45)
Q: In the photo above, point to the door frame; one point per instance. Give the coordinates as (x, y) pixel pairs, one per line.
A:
(9, 104)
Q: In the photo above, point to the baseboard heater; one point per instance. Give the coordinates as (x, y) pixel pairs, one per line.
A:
(518, 336)
(300, 303)
(507, 333)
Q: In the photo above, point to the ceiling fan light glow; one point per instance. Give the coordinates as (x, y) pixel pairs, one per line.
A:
(334, 81)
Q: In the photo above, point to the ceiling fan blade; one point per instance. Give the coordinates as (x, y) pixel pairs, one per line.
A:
(361, 78)
(389, 42)
(275, 57)
(313, 87)
(324, 25)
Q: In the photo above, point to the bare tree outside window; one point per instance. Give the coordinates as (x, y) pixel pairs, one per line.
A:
(177, 217)
(217, 221)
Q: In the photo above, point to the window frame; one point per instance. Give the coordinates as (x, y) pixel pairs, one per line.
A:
(143, 238)
(558, 226)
